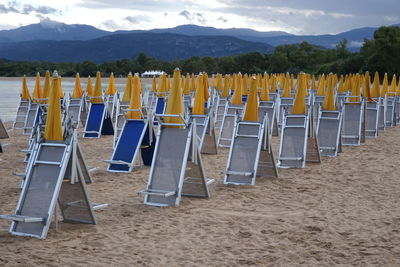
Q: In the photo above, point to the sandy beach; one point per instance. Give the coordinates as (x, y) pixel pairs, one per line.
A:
(344, 211)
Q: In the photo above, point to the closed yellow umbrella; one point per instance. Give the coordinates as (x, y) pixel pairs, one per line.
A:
(78, 92)
(273, 84)
(385, 85)
(162, 86)
(313, 83)
(286, 87)
(111, 90)
(89, 87)
(251, 111)
(47, 86)
(168, 84)
(213, 81)
(25, 91)
(237, 94)
(128, 88)
(137, 82)
(175, 100)
(199, 100)
(206, 86)
(398, 88)
(367, 93)
(321, 86)
(135, 101)
(219, 82)
(97, 96)
(60, 91)
(355, 89)
(375, 91)
(245, 82)
(329, 99)
(192, 83)
(264, 96)
(153, 85)
(393, 86)
(37, 92)
(186, 87)
(225, 89)
(53, 128)
(299, 105)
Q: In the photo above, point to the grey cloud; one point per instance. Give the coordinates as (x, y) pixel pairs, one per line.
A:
(14, 7)
(110, 24)
(193, 17)
(137, 19)
(185, 14)
(222, 19)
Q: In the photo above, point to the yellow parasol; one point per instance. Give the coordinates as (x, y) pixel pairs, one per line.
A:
(97, 96)
(53, 128)
(225, 89)
(37, 92)
(329, 99)
(60, 91)
(199, 99)
(237, 94)
(25, 91)
(219, 82)
(186, 86)
(153, 85)
(375, 86)
(299, 106)
(175, 100)
(111, 90)
(128, 88)
(46, 88)
(135, 101)
(77, 93)
(251, 111)
(89, 87)
(162, 85)
(393, 86)
(385, 85)
(321, 85)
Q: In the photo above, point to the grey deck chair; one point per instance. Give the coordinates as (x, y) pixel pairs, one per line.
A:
(30, 119)
(74, 109)
(111, 104)
(318, 101)
(329, 128)
(228, 123)
(397, 110)
(3, 131)
(250, 153)
(297, 144)
(120, 119)
(341, 97)
(371, 118)
(352, 122)
(46, 185)
(390, 106)
(174, 171)
(205, 133)
(285, 107)
(382, 113)
(219, 111)
(22, 111)
(269, 108)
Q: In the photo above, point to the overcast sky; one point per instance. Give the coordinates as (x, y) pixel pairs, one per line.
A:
(293, 16)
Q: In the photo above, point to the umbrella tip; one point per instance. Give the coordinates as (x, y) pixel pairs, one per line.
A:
(176, 69)
(55, 74)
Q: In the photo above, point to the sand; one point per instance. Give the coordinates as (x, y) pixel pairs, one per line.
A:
(344, 211)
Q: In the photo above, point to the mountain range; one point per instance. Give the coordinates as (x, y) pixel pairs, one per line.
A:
(55, 41)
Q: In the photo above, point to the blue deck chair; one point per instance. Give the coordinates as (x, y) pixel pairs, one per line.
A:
(97, 123)
(128, 145)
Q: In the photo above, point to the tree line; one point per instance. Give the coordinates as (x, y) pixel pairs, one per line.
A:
(380, 54)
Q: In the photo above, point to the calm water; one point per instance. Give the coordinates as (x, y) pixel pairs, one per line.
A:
(10, 91)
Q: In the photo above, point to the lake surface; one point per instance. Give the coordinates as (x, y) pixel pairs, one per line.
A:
(10, 90)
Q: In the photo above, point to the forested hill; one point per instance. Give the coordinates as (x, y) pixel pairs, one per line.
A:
(163, 46)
